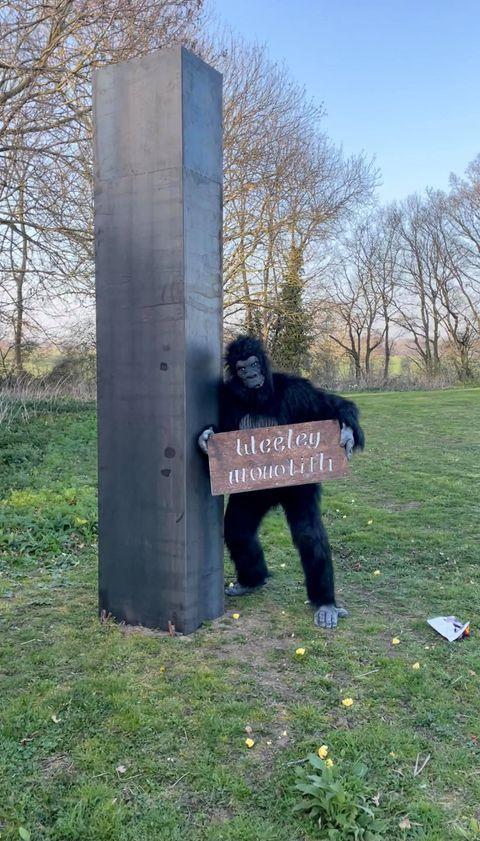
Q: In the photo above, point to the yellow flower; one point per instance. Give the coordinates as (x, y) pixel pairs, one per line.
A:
(416, 666)
(392, 753)
(323, 751)
(161, 669)
(369, 522)
(377, 572)
(282, 566)
(79, 521)
(395, 641)
(329, 762)
(235, 616)
(300, 652)
(249, 742)
(347, 702)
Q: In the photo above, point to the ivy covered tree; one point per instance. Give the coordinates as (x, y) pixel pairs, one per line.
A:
(293, 334)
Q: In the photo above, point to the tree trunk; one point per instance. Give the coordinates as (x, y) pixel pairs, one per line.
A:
(386, 358)
(19, 275)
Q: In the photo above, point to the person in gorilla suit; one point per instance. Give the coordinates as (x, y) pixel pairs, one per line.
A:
(251, 397)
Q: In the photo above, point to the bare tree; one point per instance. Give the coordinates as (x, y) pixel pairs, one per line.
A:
(362, 293)
(286, 185)
(419, 303)
(48, 52)
(463, 210)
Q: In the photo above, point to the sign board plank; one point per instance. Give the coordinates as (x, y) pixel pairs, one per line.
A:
(275, 457)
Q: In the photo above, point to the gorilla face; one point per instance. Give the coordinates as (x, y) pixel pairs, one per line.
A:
(249, 372)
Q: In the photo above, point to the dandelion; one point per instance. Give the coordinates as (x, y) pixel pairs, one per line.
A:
(344, 517)
(249, 742)
(329, 762)
(347, 702)
(369, 522)
(377, 572)
(392, 753)
(300, 652)
(323, 751)
(282, 566)
(235, 616)
(161, 669)
(395, 641)
(416, 666)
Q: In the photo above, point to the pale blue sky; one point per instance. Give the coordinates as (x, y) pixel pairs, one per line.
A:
(399, 80)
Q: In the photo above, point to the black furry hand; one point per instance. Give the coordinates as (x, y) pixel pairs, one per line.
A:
(347, 439)
(203, 438)
(327, 615)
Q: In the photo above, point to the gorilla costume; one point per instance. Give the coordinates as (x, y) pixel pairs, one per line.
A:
(251, 397)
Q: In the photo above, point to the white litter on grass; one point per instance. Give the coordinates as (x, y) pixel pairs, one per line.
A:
(449, 627)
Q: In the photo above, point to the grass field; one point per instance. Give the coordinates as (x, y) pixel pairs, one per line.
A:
(109, 733)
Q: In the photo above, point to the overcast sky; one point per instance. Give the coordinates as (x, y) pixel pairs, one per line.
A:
(399, 79)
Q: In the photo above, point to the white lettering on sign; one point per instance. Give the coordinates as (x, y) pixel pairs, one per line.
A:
(280, 443)
(291, 467)
(273, 457)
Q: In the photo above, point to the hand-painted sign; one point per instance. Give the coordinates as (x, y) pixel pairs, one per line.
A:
(276, 456)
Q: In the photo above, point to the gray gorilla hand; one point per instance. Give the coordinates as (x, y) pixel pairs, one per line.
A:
(327, 615)
(347, 439)
(202, 439)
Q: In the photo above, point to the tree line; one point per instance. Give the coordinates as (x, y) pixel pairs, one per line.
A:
(333, 283)
(410, 273)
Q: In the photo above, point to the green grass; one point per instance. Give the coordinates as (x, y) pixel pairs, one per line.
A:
(173, 712)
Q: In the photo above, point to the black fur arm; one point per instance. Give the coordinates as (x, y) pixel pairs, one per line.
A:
(302, 402)
(347, 412)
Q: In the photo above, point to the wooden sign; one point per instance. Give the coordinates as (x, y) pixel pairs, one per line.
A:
(275, 456)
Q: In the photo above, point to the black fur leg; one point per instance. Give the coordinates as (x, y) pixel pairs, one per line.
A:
(301, 506)
(242, 518)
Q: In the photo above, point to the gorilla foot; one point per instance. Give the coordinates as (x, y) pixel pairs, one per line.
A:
(327, 615)
(238, 589)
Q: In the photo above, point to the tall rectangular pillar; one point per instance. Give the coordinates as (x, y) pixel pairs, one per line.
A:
(158, 220)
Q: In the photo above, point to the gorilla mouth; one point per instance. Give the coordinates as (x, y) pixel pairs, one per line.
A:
(255, 381)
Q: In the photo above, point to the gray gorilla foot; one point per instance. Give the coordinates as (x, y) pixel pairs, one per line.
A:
(327, 615)
(238, 589)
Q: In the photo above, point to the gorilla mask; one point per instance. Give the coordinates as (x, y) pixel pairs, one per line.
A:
(250, 372)
(249, 368)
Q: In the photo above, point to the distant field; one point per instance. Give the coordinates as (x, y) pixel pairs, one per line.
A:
(43, 360)
(111, 734)
(395, 365)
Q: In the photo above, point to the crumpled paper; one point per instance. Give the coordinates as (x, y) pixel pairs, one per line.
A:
(449, 627)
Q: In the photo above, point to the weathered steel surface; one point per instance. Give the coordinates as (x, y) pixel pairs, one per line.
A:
(158, 199)
(276, 456)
